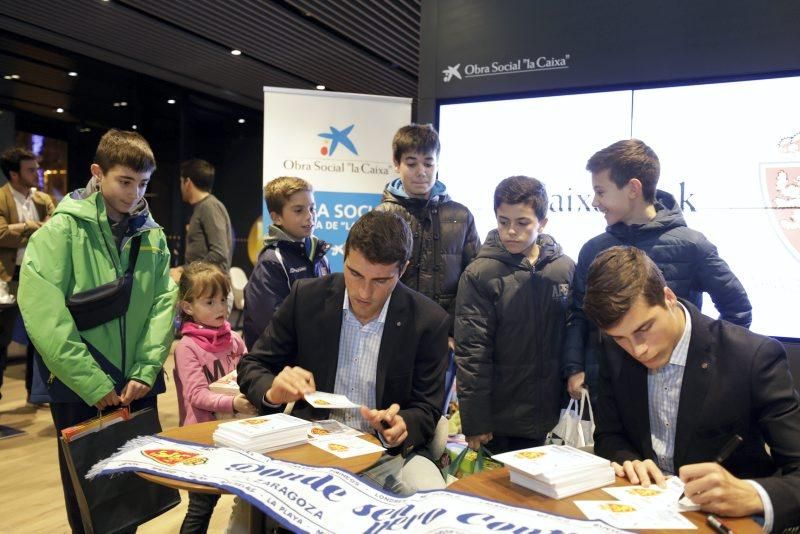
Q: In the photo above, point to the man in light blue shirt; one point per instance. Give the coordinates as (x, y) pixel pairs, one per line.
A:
(365, 335)
(676, 386)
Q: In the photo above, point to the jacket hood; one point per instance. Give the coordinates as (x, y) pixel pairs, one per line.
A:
(275, 234)
(394, 192)
(87, 204)
(493, 248)
(668, 216)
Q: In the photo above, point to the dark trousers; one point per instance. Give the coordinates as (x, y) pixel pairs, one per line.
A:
(65, 415)
(198, 514)
(501, 444)
(8, 317)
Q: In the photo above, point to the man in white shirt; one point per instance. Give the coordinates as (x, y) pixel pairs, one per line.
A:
(676, 386)
(23, 210)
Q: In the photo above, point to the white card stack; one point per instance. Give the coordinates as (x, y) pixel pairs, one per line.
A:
(557, 471)
(263, 434)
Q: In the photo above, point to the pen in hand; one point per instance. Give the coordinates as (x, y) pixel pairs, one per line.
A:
(724, 453)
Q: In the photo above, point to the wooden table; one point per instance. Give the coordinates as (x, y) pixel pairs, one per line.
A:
(496, 485)
(302, 454)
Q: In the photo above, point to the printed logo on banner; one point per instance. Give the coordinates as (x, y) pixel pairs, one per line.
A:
(336, 214)
(503, 67)
(336, 138)
(780, 184)
(174, 457)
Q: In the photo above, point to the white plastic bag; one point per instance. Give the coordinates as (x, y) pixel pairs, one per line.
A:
(571, 427)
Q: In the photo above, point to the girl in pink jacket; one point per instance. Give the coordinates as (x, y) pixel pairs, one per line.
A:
(207, 351)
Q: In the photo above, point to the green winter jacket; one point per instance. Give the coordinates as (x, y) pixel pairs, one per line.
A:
(75, 251)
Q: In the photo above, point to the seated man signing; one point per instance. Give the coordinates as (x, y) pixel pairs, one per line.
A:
(686, 386)
(364, 335)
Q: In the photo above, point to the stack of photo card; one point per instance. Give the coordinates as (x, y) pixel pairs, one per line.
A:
(226, 385)
(557, 471)
(263, 434)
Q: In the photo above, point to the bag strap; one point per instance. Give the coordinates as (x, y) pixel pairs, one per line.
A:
(136, 242)
(585, 397)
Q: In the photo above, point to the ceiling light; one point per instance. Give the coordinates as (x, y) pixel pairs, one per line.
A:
(171, 101)
(241, 121)
(116, 104)
(72, 73)
(84, 130)
(7, 77)
(123, 103)
(133, 127)
(60, 110)
(236, 52)
(15, 76)
(320, 87)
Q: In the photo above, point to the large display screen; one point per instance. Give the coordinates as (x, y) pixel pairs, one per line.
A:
(729, 152)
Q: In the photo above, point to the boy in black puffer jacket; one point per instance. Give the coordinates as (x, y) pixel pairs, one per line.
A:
(624, 178)
(445, 238)
(511, 315)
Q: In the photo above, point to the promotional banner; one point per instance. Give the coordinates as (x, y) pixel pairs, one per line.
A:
(729, 155)
(322, 500)
(341, 143)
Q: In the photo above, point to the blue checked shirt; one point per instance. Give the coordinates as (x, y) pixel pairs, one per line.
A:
(358, 364)
(664, 394)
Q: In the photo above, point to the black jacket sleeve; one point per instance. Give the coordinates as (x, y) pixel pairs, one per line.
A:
(274, 349)
(475, 333)
(265, 291)
(715, 277)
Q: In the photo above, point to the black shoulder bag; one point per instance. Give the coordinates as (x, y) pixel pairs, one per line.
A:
(101, 304)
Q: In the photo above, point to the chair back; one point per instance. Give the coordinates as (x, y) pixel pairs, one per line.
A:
(238, 283)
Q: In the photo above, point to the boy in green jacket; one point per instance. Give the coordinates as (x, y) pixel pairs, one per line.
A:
(88, 243)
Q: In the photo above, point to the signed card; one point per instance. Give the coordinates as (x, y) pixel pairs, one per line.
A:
(330, 401)
(632, 515)
(346, 446)
(652, 495)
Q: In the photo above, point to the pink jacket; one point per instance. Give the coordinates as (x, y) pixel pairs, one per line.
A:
(204, 355)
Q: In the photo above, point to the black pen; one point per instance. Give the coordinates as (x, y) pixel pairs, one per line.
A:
(724, 453)
(718, 525)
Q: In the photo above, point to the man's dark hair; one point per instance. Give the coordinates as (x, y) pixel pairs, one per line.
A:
(616, 278)
(626, 160)
(421, 138)
(522, 190)
(11, 159)
(200, 172)
(129, 149)
(381, 237)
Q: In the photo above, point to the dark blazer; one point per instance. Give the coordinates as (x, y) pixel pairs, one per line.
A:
(735, 382)
(305, 331)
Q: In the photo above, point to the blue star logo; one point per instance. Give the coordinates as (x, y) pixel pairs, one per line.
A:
(340, 137)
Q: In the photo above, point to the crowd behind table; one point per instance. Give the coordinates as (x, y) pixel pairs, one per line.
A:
(519, 323)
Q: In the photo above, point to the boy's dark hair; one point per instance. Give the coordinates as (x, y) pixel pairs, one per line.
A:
(421, 138)
(200, 172)
(129, 149)
(522, 190)
(278, 191)
(382, 237)
(616, 278)
(11, 159)
(628, 159)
